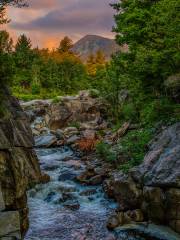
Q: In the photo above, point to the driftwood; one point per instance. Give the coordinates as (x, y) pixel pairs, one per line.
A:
(121, 132)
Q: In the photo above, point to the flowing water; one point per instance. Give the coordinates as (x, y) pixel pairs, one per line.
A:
(50, 216)
(66, 210)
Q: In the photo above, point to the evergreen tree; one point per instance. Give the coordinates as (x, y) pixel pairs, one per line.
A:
(65, 45)
(151, 30)
(6, 43)
(24, 57)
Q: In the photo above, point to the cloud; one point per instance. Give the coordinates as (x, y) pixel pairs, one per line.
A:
(54, 18)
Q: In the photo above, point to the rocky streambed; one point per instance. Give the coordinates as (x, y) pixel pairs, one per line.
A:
(75, 202)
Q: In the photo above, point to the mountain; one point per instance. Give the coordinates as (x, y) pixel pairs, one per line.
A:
(90, 44)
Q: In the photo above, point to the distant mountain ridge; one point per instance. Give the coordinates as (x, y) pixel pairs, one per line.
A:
(90, 44)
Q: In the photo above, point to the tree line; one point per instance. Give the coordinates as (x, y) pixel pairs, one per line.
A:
(141, 85)
(34, 72)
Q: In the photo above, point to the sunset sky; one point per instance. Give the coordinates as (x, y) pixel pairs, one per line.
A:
(47, 21)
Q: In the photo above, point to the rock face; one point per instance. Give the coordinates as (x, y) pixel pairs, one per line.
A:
(153, 188)
(81, 108)
(19, 169)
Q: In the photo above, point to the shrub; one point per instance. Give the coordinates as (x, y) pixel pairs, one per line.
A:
(105, 152)
(75, 124)
(134, 144)
(161, 109)
(129, 112)
(87, 145)
(35, 89)
(94, 93)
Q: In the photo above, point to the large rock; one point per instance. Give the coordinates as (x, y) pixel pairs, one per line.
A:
(82, 108)
(45, 140)
(10, 225)
(161, 165)
(154, 186)
(19, 168)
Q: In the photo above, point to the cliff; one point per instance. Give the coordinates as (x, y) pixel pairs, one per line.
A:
(19, 168)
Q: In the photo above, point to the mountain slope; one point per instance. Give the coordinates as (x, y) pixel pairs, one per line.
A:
(90, 44)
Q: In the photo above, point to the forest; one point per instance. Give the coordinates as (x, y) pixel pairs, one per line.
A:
(88, 146)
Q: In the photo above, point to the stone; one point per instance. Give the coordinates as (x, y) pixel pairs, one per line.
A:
(152, 189)
(96, 180)
(89, 134)
(161, 164)
(73, 109)
(19, 167)
(45, 141)
(59, 134)
(2, 205)
(113, 222)
(72, 205)
(67, 176)
(88, 192)
(125, 191)
(134, 215)
(10, 224)
(73, 139)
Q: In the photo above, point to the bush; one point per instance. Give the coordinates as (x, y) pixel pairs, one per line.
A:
(134, 144)
(161, 109)
(94, 93)
(105, 152)
(35, 89)
(129, 112)
(75, 124)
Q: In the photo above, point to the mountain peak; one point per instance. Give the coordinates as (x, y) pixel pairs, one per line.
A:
(90, 44)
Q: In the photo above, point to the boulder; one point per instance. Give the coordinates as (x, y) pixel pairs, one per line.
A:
(161, 165)
(45, 141)
(10, 225)
(81, 108)
(72, 140)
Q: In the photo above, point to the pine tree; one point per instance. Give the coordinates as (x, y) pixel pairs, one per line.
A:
(65, 45)
(23, 44)
(6, 43)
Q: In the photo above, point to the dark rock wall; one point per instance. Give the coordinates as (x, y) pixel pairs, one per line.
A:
(19, 168)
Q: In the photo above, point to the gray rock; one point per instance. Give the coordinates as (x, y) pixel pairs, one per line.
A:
(2, 205)
(10, 224)
(45, 140)
(161, 165)
(72, 140)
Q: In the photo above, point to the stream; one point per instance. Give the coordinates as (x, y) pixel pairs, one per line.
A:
(64, 209)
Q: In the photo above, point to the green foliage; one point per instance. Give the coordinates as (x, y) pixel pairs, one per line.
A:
(35, 89)
(134, 145)
(57, 99)
(106, 152)
(94, 93)
(150, 28)
(65, 45)
(75, 124)
(40, 72)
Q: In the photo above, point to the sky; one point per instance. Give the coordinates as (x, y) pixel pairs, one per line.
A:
(46, 22)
